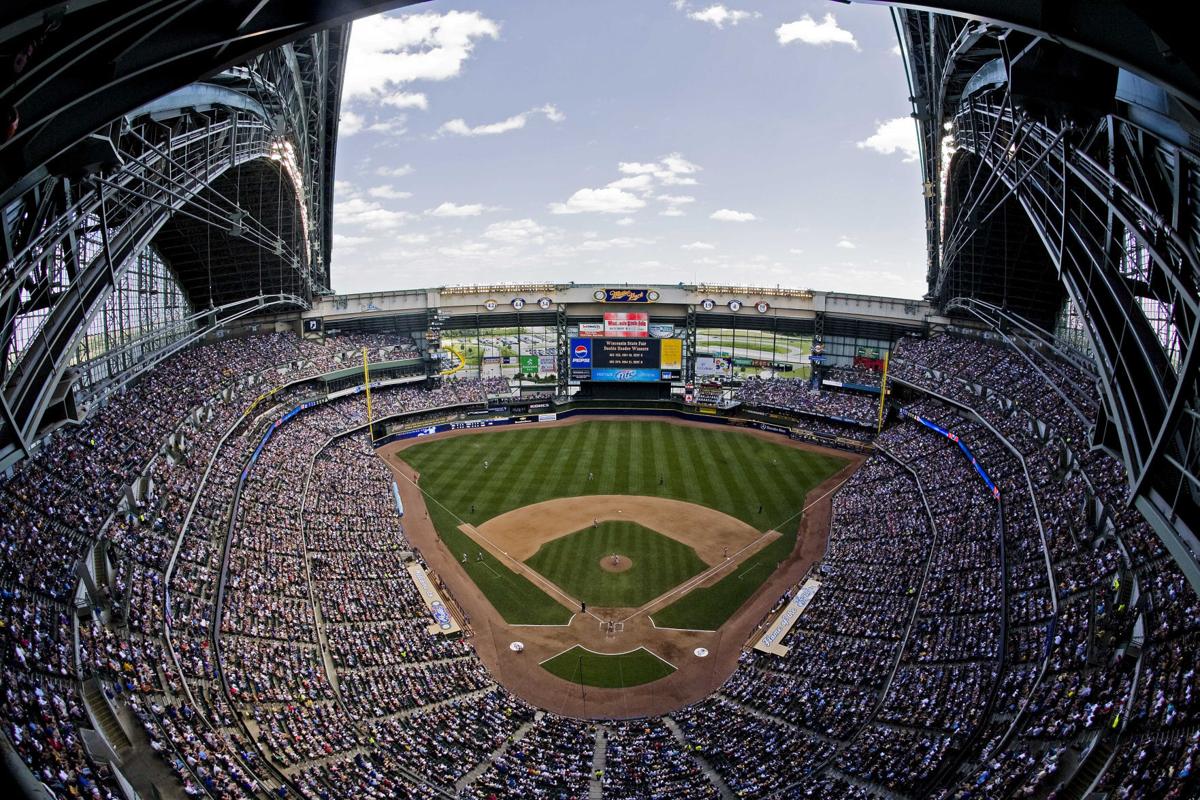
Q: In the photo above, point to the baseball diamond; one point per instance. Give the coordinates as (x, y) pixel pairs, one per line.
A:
(705, 516)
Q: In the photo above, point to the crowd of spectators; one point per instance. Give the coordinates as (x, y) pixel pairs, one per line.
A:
(960, 645)
(799, 396)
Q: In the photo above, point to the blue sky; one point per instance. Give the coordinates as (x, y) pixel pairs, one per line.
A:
(656, 141)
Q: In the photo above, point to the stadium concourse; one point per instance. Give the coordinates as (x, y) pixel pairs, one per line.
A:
(954, 635)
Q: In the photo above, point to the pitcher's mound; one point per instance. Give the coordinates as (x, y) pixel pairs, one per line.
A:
(615, 563)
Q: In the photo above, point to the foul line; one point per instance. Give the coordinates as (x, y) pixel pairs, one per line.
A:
(524, 572)
(691, 582)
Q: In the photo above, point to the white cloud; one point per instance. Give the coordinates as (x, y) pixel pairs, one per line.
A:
(719, 15)
(698, 246)
(633, 183)
(894, 135)
(388, 193)
(516, 231)
(846, 244)
(351, 242)
(895, 50)
(395, 172)
(395, 125)
(673, 211)
(368, 214)
(796, 251)
(449, 209)
(729, 215)
(459, 127)
(625, 221)
(599, 245)
(604, 201)
(809, 31)
(676, 199)
(635, 168)
(389, 51)
(350, 124)
(406, 100)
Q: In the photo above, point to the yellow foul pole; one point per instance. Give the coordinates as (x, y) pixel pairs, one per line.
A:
(882, 392)
(367, 386)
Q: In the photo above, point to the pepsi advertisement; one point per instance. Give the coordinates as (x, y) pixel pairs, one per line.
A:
(581, 359)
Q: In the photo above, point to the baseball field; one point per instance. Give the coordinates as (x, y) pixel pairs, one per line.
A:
(617, 514)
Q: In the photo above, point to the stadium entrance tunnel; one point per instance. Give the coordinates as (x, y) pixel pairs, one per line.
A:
(217, 250)
(997, 254)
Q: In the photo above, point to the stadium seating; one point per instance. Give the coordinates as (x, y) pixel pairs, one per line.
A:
(965, 642)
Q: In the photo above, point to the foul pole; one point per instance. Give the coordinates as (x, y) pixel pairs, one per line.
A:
(882, 392)
(367, 387)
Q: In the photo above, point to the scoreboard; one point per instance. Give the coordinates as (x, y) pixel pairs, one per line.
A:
(626, 359)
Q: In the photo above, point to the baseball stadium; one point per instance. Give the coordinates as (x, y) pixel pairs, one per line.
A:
(483, 536)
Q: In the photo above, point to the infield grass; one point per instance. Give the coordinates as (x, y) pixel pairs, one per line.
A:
(578, 665)
(747, 477)
(658, 562)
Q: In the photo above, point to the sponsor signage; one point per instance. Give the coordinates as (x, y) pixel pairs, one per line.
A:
(625, 375)
(672, 354)
(625, 296)
(581, 359)
(581, 353)
(529, 365)
(634, 324)
(547, 364)
(713, 365)
(662, 330)
(590, 329)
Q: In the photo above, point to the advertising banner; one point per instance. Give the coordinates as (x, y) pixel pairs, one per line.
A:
(591, 329)
(625, 375)
(529, 365)
(662, 330)
(581, 354)
(627, 324)
(547, 365)
(672, 354)
(713, 365)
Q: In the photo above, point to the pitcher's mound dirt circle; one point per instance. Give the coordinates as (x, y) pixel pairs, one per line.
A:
(615, 563)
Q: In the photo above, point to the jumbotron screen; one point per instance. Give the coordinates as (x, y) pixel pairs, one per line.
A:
(626, 359)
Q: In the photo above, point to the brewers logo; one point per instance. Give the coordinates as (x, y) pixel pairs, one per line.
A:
(626, 295)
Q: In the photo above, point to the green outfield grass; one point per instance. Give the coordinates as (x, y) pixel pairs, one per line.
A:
(578, 665)
(658, 563)
(722, 469)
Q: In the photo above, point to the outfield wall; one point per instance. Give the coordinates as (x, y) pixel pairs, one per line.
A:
(566, 412)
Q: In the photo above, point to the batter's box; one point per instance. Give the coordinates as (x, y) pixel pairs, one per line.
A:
(611, 628)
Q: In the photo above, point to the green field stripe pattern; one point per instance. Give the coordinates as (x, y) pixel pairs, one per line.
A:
(658, 564)
(726, 470)
(634, 668)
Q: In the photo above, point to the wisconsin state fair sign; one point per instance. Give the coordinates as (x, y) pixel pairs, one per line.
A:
(625, 296)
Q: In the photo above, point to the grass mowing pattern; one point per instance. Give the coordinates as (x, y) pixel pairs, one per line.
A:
(726, 470)
(659, 563)
(578, 665)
